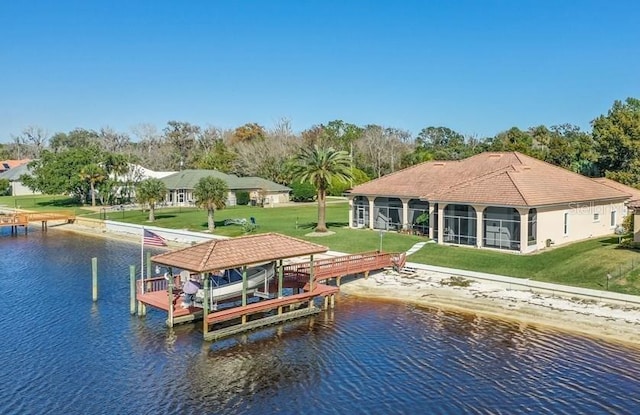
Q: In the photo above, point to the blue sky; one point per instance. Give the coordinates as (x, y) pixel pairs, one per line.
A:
(478, 67)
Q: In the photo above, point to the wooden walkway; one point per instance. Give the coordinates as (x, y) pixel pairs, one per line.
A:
(14, 221)
(341, 266)
(24, 218)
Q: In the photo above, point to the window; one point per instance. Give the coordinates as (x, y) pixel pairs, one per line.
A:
(566, 223)
(613, 218)
(596, 217)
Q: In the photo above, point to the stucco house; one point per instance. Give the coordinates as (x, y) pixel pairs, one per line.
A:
(501, 200)
(180, 187)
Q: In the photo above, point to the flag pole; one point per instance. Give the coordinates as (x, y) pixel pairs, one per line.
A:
(142, 261)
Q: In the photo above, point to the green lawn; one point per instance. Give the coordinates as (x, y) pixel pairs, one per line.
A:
(583, 264)
(42, 203)
(294, 221)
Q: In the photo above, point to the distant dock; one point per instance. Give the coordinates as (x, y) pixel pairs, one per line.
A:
(23, 219)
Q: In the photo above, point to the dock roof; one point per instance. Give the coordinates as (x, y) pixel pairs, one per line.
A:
(223, 254)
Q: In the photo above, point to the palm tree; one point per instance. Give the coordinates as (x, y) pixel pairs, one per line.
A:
(319, 166)
(211, 194)
(151, 191)
(93, 174)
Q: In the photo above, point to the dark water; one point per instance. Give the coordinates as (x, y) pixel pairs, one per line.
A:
(61, 354)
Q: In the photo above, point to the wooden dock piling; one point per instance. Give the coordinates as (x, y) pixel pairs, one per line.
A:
(132, 289)
(94, 278)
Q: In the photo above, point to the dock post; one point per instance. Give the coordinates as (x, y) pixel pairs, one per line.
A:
(245, 286)
(205, 308)
(94, 278)
(326, 302)
(132, 289)
(170, 298)
(148, 264)
(312, 277)
(280, 282)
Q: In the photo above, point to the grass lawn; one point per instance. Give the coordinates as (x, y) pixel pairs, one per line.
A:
(42, 203)
(294, 221)
(583, 264)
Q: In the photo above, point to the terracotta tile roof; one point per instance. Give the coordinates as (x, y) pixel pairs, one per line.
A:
(492, 178)
(635, 193)
(10, 164)
(223, 254)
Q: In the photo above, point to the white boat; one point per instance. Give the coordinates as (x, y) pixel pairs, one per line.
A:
(229, 284)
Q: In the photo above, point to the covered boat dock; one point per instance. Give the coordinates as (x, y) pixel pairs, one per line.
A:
(253, 310)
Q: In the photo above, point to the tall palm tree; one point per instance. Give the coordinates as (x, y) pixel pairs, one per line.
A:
(211, 194)
(151, 191)
(319, 166)
(93, 174)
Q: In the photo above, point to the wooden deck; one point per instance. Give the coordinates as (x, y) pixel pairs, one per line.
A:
(14, 221)
(24, 218)
(64, 215)
(341, 266)
(156, 296)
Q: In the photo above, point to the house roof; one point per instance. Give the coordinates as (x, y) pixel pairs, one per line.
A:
(187, 179)
(14, 173)
(11, 164)
(220, 254)
(635, 193)
(491, 178)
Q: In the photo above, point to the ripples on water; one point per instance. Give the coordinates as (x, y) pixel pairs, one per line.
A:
(63, 354)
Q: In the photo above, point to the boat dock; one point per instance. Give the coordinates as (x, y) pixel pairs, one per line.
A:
(23, 219)
(290, 294)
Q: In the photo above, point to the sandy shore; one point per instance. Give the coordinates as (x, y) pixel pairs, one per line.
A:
(612, 322)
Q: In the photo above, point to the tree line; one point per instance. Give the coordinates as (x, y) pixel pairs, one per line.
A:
(80, 160)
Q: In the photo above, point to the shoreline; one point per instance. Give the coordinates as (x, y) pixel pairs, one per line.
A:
(595, 319)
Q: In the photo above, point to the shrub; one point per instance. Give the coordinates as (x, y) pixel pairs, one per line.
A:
(5, 187)
(302, 192)
(629, 244)
(242, 198)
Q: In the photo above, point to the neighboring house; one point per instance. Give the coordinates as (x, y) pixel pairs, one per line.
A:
(6, 165)
(502, 200)
(634, 205)
(180, 187)
(128, 181)
(13, 175)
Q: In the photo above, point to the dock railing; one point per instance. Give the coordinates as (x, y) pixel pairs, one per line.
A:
(155, 284)
(344, 265)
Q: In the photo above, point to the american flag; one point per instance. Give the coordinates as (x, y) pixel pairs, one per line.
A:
(153, 239)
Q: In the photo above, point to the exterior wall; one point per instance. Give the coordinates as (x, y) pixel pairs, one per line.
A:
(636, 226)
(18, 189)
(581, 223)
(274, 198)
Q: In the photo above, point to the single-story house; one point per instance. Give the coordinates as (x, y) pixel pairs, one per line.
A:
(180, 187)
(501, 200)
(13, 175)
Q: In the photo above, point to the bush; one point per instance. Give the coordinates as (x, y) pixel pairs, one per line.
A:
(5, 187)
(302, 192)
(629, 244)
(242, 198)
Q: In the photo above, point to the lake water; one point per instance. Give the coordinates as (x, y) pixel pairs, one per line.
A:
(62, 354)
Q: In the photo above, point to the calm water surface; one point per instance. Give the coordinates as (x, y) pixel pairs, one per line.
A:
(61, 354)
